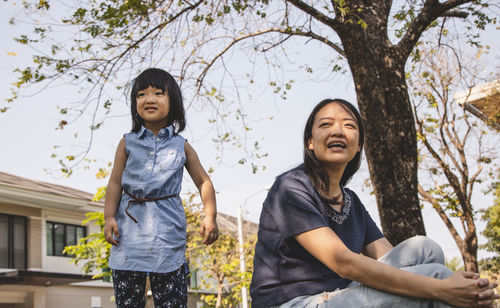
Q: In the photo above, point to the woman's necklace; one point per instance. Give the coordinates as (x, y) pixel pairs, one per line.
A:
(338, 199)
(343, 212)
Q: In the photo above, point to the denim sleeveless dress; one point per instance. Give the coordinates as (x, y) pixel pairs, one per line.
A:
(157, 242)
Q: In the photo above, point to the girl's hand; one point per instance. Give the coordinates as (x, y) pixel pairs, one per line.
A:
(209, 230)
(466, 289)
(110, 228)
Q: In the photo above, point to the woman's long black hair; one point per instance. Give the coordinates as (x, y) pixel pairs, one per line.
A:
(160, 79)
(313, 167)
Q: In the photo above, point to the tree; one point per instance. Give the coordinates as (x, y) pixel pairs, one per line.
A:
(492, 234)
(219, 262)
(199, 40)
(456, 152)
(92, 250)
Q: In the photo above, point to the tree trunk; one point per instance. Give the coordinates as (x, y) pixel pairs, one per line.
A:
(220, 290)
(469, 253)
(390, 135)
(470, 259)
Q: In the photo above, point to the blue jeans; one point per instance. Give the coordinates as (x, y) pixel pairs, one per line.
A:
(418, 254)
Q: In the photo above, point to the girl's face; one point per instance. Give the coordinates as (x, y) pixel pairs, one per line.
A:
(153, 106)
(335, 136)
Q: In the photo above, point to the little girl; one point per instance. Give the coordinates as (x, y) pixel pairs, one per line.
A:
(145, 218)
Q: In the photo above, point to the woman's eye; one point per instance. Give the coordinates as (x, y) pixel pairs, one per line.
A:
(159, 93)
(351, 125)
(140, 94)
(324, 124)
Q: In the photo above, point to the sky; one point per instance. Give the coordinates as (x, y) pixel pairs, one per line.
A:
(28, 136)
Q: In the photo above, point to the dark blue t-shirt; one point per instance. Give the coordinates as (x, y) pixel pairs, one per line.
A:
(283, 269)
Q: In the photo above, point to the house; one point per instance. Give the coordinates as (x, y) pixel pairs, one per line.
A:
(483, 101)
(37, 220)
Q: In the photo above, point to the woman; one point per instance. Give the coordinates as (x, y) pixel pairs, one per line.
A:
(318, 247)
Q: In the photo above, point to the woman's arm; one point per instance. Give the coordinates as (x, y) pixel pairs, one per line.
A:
(457, 289)
(113, 194)
(377, 248)
(202, 181)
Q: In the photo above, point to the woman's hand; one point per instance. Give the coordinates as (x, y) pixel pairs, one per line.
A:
(487, 294)
(209, 230)
(110, 228)
(466, 289)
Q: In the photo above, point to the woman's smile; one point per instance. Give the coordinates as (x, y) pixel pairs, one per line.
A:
(337, 145)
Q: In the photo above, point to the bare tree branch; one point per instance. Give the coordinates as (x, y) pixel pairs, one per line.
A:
(312, 35)
(444, 217)
(431, 10)
(311, 11)
(458, 14)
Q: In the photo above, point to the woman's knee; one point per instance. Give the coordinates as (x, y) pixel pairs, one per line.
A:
(434, 270)
(429, 250)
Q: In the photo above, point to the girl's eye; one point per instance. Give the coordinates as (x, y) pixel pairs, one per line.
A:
(325, 124)
(140, 94)
(159, 93)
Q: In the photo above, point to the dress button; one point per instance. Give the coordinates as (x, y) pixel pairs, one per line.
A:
(157, 139)
(151, 152)
(149, 168)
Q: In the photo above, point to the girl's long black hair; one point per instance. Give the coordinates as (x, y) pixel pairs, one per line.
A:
(160, 79)
(313, 167)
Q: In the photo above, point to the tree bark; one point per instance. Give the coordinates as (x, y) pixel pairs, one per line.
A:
(377, 67)
(469, 254)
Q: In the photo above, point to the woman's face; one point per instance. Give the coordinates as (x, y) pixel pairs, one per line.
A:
(335, 136)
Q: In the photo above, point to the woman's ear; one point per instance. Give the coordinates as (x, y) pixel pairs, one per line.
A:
(310, 145)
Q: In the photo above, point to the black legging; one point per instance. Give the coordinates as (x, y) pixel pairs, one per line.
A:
(169, 289)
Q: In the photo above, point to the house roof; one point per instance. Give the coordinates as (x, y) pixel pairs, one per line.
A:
(483, 101)
(227, 222)
(43, 187)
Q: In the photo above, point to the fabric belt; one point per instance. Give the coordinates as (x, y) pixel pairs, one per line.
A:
(142, 200)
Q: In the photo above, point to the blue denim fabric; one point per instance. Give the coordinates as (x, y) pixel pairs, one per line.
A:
(418, 254)
(154, 169)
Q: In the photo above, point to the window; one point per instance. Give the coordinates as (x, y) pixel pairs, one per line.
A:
(13, 238)
(60, 235)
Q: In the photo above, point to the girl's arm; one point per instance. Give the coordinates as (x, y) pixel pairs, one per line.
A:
(113, 194)
(458, 289)
(209, 229)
